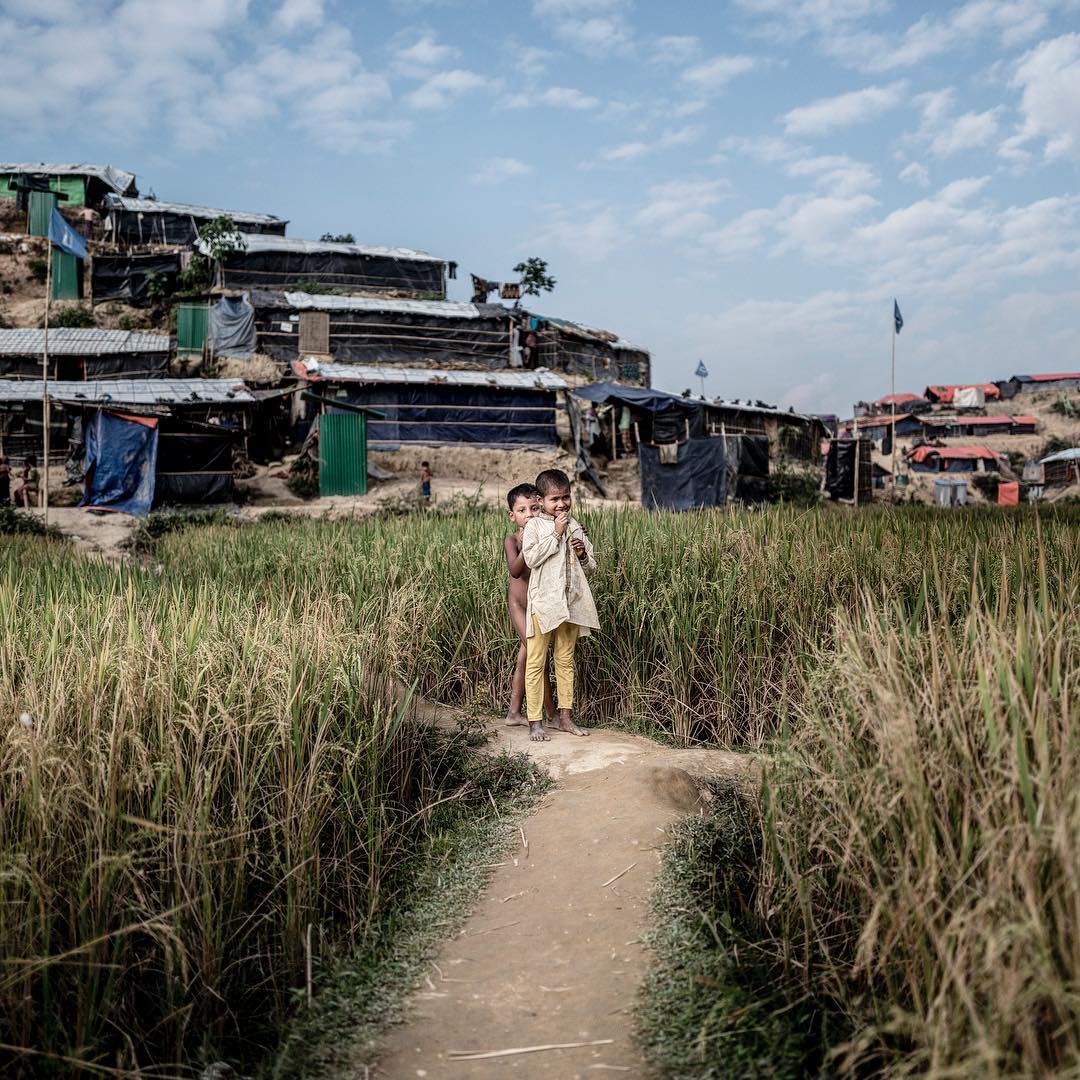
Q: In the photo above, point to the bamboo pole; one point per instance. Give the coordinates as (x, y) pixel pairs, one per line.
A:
(44, 497)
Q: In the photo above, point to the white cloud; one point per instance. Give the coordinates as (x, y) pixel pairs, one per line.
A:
(679, 208)
(829, 114)
(713, 75)
(676, 49)
(442, 89)
(594, 27)
(294, 14)
(625, 151)
(499, 170)
(558, 97)
(423, 56)
(1049, 80)
(836, 174)
(767, 149)
(966, 132)
(590, 232)
(916, 173)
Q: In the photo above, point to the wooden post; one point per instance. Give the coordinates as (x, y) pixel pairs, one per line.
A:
(856, 471)
(614, 436)
(44, 497)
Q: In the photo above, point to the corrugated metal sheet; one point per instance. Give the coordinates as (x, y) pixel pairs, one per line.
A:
(80, 341)
(41, 208)
(258, 242)
(66, 278)
(192, 321)
(321, 371)
(132, 391)
(207, 213)
(119, 180)
(439, 309)
(342, 454)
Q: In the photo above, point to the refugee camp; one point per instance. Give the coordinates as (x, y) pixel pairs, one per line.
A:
(539, 541)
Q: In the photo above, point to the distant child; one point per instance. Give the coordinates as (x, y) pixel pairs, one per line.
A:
(26, 493)
(524, 503)
(5, 482)
(561, 607)
(425, 482)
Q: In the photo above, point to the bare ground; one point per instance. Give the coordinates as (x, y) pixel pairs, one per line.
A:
(552, 954)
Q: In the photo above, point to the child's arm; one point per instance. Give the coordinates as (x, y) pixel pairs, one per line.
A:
(588, 561)
(515, 560)
(538, 544)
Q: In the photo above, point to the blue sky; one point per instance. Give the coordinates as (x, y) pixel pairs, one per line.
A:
(749, 183)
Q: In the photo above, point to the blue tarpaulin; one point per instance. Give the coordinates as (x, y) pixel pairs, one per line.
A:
(121, 462)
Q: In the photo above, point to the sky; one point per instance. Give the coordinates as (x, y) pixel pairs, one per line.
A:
(748, 183)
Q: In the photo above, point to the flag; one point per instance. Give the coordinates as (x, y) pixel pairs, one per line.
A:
(702, 371)
(63, 236)
(898, 319)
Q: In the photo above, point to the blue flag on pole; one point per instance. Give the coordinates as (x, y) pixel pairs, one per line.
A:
(702, 371)
(897, 317)
(63, 236)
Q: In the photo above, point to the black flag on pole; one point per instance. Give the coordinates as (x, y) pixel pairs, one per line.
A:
(898, 319)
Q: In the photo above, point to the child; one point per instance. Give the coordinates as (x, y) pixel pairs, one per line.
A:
(524, 503)
(26, 493)
(425, 482)
(561, 607)
(5, 482)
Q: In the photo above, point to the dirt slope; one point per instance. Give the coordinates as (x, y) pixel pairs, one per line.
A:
(552, 953)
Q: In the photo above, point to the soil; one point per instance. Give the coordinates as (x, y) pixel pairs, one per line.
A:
(552, 954)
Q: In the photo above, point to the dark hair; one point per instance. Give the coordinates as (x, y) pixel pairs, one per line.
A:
(552, 479)
(424, 465)
(30, 459)
(515, 493)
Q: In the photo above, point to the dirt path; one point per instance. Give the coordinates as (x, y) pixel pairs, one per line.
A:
(552, 953)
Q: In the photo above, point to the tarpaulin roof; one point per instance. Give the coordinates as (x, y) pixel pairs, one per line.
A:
(965, 453)
(608, 337)
(1048, 378)
(323, 371)
(652, 401)
(945, 392)
(763, 410)
(131, 391)
(260, 242)
(881, 421)
(155, 206)
(80, 341)
(440, 309)
(120, 181)
(899, 399)
(1072, 454)
(978, 421)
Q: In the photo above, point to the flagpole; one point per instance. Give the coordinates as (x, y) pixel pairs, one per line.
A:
(45, 386)
(894, 398)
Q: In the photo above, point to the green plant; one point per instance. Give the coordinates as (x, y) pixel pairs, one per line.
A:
(220, 237)
(125, 322)
(157, 288)
(303, 479)
(37, 268)
(194, 279)
(534, 277)
(338, 238)
(77, 315)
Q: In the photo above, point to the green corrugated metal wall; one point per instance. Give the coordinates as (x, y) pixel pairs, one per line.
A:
(73, 186)
(342, 454)
(5, 191)
(191, 324)
(41, 207)
(66, 276)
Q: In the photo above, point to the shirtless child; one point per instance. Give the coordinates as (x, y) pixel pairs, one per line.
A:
(524, 503)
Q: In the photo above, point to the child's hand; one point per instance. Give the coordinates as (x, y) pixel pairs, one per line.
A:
(562, 523)
(579, 548)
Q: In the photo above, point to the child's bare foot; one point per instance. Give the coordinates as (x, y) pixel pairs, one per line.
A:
(564, 723)
(537, 732)
(515, 719)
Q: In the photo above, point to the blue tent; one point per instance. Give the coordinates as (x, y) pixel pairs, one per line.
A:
(121, 462)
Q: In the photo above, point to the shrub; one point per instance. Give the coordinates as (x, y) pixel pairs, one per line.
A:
(78, 315)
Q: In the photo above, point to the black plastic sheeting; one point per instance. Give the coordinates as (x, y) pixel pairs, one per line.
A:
(697, 480)
(131, 365)
(282, 269)
(125, 277)
(194, 463)
(144, 227)
(389, 337)
(457, 414)
(231, 330)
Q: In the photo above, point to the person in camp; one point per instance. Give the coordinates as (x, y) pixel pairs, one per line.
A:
(5, 482)
(425, 482)
(561, 607)
(26, 494)
(523, 503)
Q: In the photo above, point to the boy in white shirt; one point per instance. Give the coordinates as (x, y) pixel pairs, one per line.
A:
(560, 603)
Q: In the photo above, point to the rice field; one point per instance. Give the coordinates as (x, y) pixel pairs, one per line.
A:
(216, 769)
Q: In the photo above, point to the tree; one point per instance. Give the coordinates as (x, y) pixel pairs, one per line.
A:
(221, 236)
(534, 277)
(338, 238)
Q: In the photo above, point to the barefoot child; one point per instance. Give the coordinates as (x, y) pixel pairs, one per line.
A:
(524, 503)
(561, 607)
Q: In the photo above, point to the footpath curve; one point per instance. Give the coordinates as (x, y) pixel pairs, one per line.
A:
(552, 952)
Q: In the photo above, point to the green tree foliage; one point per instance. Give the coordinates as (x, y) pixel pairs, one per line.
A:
(338, 238)
(535, 278)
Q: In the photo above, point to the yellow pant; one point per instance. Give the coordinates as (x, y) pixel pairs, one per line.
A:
(536, 647)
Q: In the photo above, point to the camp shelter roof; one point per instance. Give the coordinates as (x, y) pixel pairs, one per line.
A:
(80, 341)
(945, 392)
(255, 243)
(131, 391)
(637, 397)
(156, 206)
(322, 371)
(1052, 377)
(898, 399)
(954, 453)
(1072, 454)
(439, 309)
(119, 180)
(884, 420)
(978, 421)
(591, 333)
(759, 408)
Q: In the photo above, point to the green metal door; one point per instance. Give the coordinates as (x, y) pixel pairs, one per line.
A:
(191, 323)
(342, 454)
(41, 208)
(66, 276)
